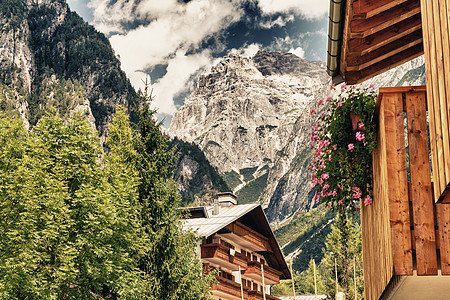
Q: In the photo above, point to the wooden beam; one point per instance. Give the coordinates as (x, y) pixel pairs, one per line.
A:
(345, 37)
(398, 184)
(443, 212)
(421, 195)
(362, 46)
(366, 27)
(357, 63)
(428, 41)
(365, 9)
(381, 67)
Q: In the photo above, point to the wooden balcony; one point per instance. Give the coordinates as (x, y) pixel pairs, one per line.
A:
(221, 255)
(227, 289)
(256, 295)
(247, 237)
(254, 271)
(404, 224)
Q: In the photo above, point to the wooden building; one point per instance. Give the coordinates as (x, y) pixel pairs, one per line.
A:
(407, 229)
(237, 241)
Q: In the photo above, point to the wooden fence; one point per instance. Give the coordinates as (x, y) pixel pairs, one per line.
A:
(399, 229)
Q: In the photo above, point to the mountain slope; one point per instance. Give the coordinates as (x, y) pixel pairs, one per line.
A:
(46, 46)
(244, 111)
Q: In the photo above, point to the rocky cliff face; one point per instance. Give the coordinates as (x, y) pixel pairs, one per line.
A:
(251, 118)
(243, 112)
(43, 46)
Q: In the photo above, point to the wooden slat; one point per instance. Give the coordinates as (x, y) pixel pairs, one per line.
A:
(427, 40)
(362, 46)
(345, 36)
(439, 61)
(357, 63)
(443, 211)
(375, 224)
(398, 185)
(353, 77)
(445, 27)
(421, 196)
(366, 27)
(370, 8)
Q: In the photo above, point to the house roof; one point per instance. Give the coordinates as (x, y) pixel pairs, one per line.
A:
(367, 37)
(251, 215)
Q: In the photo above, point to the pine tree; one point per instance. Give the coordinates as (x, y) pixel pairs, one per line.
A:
(343, 247)
(171, 264)
(308, 285)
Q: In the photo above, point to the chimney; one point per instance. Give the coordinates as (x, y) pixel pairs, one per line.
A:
(227, 199)
(216, 207)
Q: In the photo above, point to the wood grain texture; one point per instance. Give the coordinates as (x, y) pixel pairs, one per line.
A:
(421, 195)
(443, 211)
(398, 184)
(375, 224)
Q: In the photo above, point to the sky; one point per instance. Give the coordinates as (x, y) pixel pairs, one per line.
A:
(174, 41)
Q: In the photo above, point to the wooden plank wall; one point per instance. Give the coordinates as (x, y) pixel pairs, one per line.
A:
(397, 181)
(436, 38)
(421, 195)
(375, 226)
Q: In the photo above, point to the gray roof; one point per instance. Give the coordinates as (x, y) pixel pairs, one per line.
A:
(205, 227)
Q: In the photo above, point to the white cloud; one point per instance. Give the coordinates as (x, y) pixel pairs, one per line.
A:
(298, 51)
(171, 30)
(310, 9)
(177, 78)
(247, 51)
(280, 21)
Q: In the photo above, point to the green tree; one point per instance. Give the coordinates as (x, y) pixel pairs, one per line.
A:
(308, 285)
(69, 226)
(343, 247)
(171, 263)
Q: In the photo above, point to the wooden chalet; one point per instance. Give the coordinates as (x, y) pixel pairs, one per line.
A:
(237, 241)
(406, 231)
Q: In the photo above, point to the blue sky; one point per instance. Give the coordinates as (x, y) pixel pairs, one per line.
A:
(174, 41)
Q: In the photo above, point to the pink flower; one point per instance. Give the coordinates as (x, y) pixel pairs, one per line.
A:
(335, 146)
(367, 200)
(313, 111)
(339, 104)
(359, 136)
(310, 146)
(339, 186)
(360, 125)
(322, 114)
(340, 202)
(351, 147)
(320, 102)
(326, 186)
(328, 99)
(356, 192)
(334, 193)
(325, 176)
(343, 86)
(371, 86)
(332, 86)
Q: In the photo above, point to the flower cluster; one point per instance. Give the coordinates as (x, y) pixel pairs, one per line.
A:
(343, 139)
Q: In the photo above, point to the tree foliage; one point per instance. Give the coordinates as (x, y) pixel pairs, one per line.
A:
(77, 223)
(343, 247)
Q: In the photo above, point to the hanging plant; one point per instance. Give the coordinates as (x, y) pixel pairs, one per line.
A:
(343, 139)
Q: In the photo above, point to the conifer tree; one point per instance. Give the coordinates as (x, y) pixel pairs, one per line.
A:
(308, 286)
(343, 247)
(171, 263)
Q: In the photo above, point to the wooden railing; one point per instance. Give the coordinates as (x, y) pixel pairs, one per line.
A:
(228, 287)
(401, 218)
(256, 295)
(220, 254)
(254, 271)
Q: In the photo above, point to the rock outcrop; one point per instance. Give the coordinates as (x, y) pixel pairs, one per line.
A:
(251, 117)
